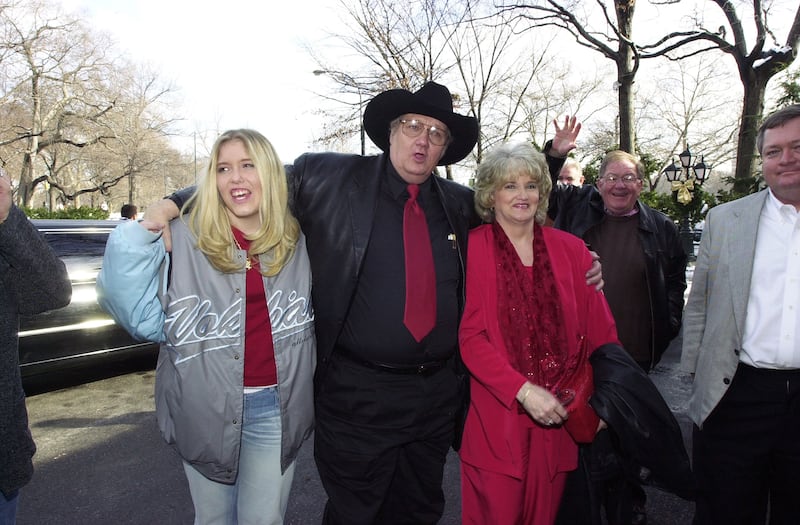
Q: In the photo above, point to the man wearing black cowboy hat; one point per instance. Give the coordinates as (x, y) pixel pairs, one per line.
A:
(389, 388)
(387, 403)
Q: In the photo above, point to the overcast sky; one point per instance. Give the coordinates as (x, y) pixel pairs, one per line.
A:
(237, 63)
(242, 63)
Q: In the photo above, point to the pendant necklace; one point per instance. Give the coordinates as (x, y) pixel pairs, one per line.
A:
(247, 265)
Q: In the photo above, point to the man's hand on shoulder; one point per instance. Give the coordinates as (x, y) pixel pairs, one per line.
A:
(594, 277)
(159, 214)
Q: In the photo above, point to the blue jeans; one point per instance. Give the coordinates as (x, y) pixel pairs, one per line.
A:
(261, 493)
(8, 508)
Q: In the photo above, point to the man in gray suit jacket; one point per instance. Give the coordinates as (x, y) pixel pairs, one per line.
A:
(741, 344)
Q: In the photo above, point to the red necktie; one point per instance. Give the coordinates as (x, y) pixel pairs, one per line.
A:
(420, 314)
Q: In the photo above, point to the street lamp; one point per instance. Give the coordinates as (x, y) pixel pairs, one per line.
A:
(685, 175)
(349, 81)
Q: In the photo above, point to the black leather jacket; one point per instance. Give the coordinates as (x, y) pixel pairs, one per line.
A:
(577, 209)
(333, 197)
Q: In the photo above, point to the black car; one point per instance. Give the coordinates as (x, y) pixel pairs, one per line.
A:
(81, 333)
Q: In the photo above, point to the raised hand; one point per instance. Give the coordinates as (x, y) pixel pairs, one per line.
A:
(564, 139)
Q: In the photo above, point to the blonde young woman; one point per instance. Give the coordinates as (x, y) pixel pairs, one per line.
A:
(231, 307)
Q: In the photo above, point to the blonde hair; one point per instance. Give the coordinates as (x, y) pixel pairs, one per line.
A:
(503, 164)
(277, 236)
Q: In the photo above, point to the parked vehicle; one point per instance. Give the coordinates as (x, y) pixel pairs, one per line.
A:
(698, 230)
(81, 333)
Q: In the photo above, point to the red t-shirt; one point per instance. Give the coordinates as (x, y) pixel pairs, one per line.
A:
(259, 353)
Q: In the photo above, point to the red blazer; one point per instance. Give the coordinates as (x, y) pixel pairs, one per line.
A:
(491, 434)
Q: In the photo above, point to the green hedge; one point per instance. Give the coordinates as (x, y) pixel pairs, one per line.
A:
(84, 212)
(668, 203)
(701, 200)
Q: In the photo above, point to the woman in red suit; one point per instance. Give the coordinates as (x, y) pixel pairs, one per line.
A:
(528, 314)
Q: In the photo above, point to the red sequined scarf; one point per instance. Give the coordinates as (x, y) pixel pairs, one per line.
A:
(529, 311)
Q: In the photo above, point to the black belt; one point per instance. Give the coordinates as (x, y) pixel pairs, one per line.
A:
(778, 374)
(784, 380)
(421, 369)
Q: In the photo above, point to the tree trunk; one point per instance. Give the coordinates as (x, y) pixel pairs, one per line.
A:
(626, 73)
(25, 193)
(627, 136)
(52, 197)
(131, 188)
(752, 111)
(26, 176)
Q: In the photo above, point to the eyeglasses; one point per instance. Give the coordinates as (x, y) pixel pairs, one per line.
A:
(627, 180)
(413, 128)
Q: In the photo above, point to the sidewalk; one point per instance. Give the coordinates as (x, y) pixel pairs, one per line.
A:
(101, 459)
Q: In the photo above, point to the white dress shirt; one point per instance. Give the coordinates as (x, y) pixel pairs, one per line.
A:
(773, 308)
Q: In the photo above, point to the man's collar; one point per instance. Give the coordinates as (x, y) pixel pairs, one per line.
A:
(398, 188)
(776, 204)
(634, 211)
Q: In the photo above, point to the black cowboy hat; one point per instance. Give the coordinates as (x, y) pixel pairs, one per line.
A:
(432, 100)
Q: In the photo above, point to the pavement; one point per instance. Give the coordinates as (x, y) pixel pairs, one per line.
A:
(101, 460)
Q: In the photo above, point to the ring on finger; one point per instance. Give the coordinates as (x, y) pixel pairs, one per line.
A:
(550, 422)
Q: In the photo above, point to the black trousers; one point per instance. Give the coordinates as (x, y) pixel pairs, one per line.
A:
(747, 456)
(381, 443)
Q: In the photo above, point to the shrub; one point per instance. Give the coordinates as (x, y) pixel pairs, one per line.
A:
(668, 203)
(84, 212)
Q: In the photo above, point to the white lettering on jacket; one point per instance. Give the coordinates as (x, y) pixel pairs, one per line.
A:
(288, 315)
(191, 320)
(192, 323)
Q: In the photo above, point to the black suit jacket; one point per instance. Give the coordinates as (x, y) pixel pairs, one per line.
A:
(333, 197)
